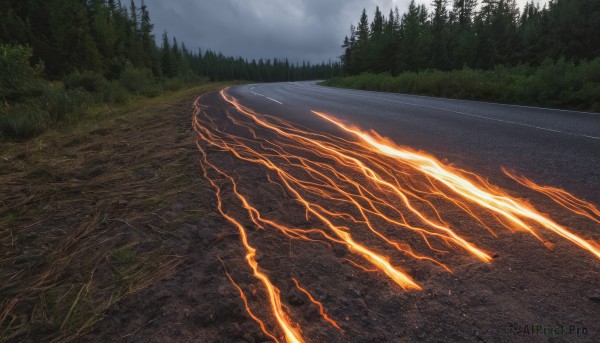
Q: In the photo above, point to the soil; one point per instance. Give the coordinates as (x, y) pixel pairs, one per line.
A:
(146, 177)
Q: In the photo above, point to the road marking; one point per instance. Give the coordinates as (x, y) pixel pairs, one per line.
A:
(469, 114)
(350, 91)
(279, 102)
(264, 96)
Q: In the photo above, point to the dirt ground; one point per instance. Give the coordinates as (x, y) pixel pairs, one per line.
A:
(112, 234)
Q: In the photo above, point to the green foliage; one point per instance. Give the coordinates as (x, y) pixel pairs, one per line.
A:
(18, 79)
(139, 81)
(30, 118)
(90, 81)
(114, 93)
(554, 84)
(452, 37)
(23, 121)
(134, 80)
(66, 105)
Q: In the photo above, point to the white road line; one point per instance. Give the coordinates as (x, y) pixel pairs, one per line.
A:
(469, 114)
(279, 102)
(350, 92)
(264, 96)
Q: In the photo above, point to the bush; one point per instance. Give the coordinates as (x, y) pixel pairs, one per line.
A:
(18, 79)
(137, 81)
(88, 80)
(173, 84)
(114, 93)
(23, 121)
(66, 105)
(151, 91)
(555, 84)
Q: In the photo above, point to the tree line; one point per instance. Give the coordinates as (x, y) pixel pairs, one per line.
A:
(106, 37)
(468, 34)
(98, 52)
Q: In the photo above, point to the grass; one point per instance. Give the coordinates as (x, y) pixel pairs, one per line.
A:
(83, 215)
(557, 84)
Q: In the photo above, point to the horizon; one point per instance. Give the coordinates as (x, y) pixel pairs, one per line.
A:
(298, 30)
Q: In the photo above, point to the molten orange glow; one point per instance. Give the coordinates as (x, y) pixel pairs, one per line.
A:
(252, 315)
(510, 208)
(561, 197)
(291, 334)
(319, 305)
(382, 202)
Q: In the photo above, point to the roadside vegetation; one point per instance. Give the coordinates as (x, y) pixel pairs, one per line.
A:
(557, 84)
(94, 212)
(59, 59)
(480, 50)
(31, 104)
(99, 185)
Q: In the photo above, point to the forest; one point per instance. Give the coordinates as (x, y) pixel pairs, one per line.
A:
(104, 36)
(489, 51)
(58, 57)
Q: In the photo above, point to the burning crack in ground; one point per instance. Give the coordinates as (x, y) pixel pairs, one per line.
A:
(361, 184)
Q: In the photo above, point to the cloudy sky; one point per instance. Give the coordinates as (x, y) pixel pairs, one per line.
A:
(310, 30)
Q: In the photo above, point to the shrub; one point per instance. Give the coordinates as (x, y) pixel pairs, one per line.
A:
(18, 79)
(113, 93)
(88, 80)
(66, 105)
(23, 121)
(173, 84)
(151, 91)
(137, 80)
(555, 84)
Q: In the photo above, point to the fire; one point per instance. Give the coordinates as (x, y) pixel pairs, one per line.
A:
(364, 193)
(319, 305)
(561, 197)
(510, 208)
(291, 333)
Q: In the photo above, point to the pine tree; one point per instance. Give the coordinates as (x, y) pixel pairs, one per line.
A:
(389, 44)
(439, 35)
(414, 38)
(166, 61)
(71, 33)
(350, 65)
(361, 50)
(376, 58)
(463, 38)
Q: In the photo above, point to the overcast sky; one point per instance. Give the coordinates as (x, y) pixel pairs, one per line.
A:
(310, 30)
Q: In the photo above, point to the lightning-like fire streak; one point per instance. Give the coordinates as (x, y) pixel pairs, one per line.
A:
(344, 157)
(252, 315)
(319, 305)
(513, 210)
(359, 190)
(291, 333)
(561, 197)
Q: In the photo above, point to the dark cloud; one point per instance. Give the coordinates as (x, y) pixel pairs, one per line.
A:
(310, 30)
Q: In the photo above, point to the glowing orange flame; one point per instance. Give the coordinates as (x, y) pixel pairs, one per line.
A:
(291, 333)
(343, 157)
(252, 315)
(511, 208)
(561, 197)
(319, 305)
(366, 189)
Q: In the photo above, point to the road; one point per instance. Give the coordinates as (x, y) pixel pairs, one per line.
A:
(414, 249)
(552, 147)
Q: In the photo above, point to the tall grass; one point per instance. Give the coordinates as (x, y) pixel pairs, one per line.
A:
(559, 84)
(29, 104)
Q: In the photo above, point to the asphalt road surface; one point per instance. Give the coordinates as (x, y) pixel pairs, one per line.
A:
(552, 147)
(554, 284)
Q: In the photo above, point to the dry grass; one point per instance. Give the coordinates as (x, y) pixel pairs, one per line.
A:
(84, 215)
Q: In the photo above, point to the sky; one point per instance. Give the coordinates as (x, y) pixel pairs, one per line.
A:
(300, 30)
